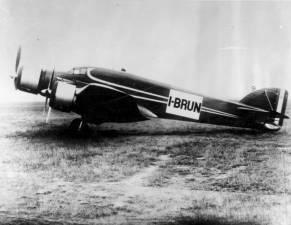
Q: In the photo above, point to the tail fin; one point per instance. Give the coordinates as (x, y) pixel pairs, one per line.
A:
(273, 100)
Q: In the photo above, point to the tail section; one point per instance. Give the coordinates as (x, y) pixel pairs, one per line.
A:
(273, 100)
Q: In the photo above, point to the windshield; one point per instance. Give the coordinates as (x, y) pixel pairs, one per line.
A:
(78, 70)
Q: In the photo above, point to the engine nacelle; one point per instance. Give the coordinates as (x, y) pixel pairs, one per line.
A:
(63, 96)
(27, 81)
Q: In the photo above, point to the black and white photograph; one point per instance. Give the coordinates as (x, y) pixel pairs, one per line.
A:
(151, 112)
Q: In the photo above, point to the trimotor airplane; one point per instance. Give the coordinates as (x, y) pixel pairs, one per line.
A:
(100, 95)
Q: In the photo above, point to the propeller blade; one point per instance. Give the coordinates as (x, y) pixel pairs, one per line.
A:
(51, 80)
(48, 115)
(17, 59)
(18, 78)
(43, 111)
(47, 92)
(46, 101)
(45, 105)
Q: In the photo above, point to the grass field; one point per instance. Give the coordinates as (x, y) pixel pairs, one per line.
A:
(153, 172)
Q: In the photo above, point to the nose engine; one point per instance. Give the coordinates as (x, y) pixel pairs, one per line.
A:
(29, 82)
(26, 81)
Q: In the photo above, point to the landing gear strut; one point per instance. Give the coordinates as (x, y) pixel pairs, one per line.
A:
(79, 126)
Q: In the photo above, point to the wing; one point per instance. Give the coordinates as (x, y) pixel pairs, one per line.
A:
(100, 103)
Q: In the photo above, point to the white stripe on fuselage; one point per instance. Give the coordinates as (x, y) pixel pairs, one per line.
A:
(213, 111)
(98, 85)
(148, 99)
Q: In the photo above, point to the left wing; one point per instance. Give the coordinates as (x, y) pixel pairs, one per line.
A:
(98, 102)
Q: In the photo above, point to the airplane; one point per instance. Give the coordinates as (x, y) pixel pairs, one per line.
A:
(101, 95)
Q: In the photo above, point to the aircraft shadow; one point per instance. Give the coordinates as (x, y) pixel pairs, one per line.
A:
(200, 220)
(58, 132)
(204, 220)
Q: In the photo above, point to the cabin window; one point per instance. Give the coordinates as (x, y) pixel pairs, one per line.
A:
(78, 71)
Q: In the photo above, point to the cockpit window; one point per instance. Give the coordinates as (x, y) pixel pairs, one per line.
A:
(83, 71)
(78, 70)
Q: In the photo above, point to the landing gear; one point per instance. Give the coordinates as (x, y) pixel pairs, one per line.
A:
(79, 126)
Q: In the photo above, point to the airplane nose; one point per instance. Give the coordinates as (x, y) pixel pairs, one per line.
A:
(29, 82)
(25, 78)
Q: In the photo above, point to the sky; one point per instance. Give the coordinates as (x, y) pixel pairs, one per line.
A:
(217, 48)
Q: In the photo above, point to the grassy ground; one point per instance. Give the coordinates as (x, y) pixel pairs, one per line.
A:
(154, 172)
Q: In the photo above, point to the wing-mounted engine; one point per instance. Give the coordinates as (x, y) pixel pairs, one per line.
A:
(63, 96)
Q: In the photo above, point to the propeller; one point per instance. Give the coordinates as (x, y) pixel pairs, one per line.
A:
(18, 71)
(31, 84)
(48, 115)
(17, 59)
(17, 78)
(47, 93)
(49, 88)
